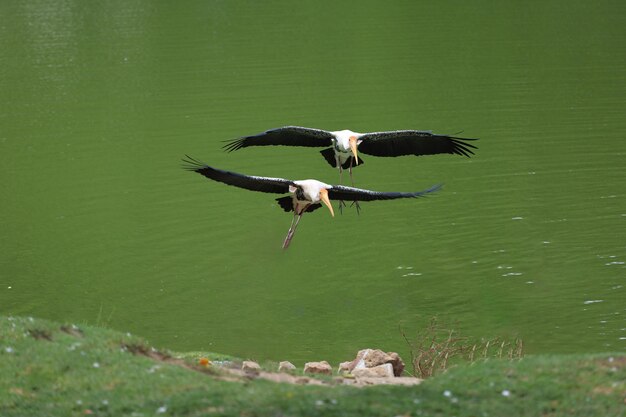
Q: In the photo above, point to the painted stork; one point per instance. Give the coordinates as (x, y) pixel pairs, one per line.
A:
(341, 146)
(306, 195)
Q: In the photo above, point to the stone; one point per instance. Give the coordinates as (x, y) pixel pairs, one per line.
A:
(375, 357)
(380, 371)
(286, 366)
(358, 362)
(370, 358)
(344, 367)
(397, 363)
(251, 367)
(322, 367)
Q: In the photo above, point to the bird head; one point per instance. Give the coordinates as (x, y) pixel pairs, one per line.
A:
(353, 143)
(325, 200)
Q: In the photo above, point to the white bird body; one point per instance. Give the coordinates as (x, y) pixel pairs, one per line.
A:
(345, 143)
(311, 189)
(341, 139)
(307, 192)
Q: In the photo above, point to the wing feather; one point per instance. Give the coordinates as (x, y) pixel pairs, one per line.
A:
(248, 182)
(287, 136)
(341, 192)
(413, 142)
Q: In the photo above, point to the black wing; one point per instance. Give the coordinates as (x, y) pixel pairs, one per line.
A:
(413, 142)
(249, 182)
(340, 192)
(288, 136)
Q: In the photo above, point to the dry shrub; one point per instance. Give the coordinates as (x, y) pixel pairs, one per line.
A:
(436, 348)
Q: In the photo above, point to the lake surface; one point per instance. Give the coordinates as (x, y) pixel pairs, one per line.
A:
(100, 224)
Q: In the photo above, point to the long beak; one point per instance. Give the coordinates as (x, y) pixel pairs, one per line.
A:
(353, 148)
(325, 200)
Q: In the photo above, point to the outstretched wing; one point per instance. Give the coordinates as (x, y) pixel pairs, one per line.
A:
(248, 182)
(413, 142)
(287, 136)
(341, 192)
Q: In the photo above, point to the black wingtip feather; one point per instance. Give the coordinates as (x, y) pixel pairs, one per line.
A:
(234, 144)
(461, 147)
(192, 164)
(432, 189)
(424, 193)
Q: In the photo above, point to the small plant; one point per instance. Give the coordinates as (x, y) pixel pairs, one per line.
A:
(436, 348)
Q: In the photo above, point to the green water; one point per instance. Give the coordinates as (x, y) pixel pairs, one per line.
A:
(100, 225)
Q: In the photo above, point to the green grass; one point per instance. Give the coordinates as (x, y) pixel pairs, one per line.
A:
(47, 371)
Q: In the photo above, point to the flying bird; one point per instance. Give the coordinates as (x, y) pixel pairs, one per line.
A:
(342, 145)
(306, 195)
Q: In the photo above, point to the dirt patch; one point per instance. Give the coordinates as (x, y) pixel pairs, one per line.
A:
(40, 334)
(613, 362)
(72, 331)
(151, 353)
(162, 357)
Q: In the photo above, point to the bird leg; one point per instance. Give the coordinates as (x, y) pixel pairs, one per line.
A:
(292, 230)
(350, 171)
(294, 224)
(342, 204)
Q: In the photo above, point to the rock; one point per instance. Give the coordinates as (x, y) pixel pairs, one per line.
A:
(322, 367)
(375, 357)
(358, 362)
(380, 371)
(250, 367)
(344, 367)
(397, 363)
(370, 358)
(286, 366)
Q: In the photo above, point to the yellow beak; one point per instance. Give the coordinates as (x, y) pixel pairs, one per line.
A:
(353, 148)
(325, 200)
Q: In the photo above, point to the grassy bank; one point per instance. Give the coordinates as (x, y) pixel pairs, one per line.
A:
(50, 369)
